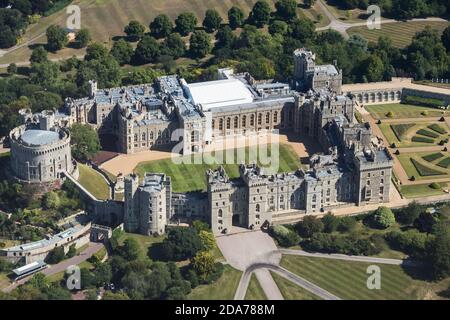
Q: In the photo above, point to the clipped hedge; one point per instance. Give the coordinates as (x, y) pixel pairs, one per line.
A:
(432, 157)
(422, 139)
(425, 171)
(427, 133)
(437, 128)
(445, 163)
(428, 102)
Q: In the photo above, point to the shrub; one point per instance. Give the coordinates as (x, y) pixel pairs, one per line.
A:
(330, 223)
(390, 114)
(415, 100)
(411, 242)
(347, 224)
(427, 133)
(329, 243)
(409, 214)
(435, 186)
(284, 236)
(383, 218)
(421, 139)
(309, 226)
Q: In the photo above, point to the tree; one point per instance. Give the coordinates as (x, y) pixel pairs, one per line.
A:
(130, 249)
(161, 26)
(439, 253)
(87, 279)
(309, 3)
(51, 200)
(174, 46)
(83, 38)
(207, 239)
(56, 255)
(409, 214)
(122, 51)
(109, 295)
(203, 264)
(383, 218)
(12, 68)
(105, 70)
(309, 226)
(56, 38)
(330, 223)
(235, 17)
(302, 29)
(278, 26)
(374, 68)
(7, 37)
(72, 251)
(286, 9)
(445, 38)
(200, 44)
(212, 20)
(260, 14)
(225, 37)
(180, 244)
(95, 51)
(147, 75)
(285, 236)
(84, 140)
(44, 74)
(103, 274)
(147, 50)
(185, 23)
(38, 55)
(134, 30)
(425, 222)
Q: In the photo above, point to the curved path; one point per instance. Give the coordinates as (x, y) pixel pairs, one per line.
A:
(342, 27)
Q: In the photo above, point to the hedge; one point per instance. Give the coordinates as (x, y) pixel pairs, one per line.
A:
(425, 171)
(437, 128)
(427, 133)
(444, 163)
(400, 129)
(428, 102)
(421, 139)
(432, 157)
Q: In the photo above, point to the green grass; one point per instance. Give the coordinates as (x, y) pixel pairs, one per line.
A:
(422, 139)
(145, 242)
(254, 290)
(424, 170)
(420, 190)
(347, 279)
(432, 157)
(444, 163)
(401, 129)
(437, 128)
(222, 289)
(403, 111)
(191, 177)
(427, 133)
(4, 280)
(93, 182)
(401, 33)
(290, 290)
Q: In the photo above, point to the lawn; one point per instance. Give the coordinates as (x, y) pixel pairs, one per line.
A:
(420, 190)
(254, 290)
(406, 135)
(415, 166)
(222, 289)
(191, 177)
(4, 280)
(401, 129)
(93, 182)
(145, 242)
(403, 111)
(401, 33)
(290, 290)
(347, 279)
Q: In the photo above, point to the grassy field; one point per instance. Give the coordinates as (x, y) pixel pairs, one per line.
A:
(254, 290)
(401, 33)
(145, 242)
(4, 280)
(191, 177)
(403, 111)
(93, 182)
(420, 168)
(291, 291)
(347, 279)
(420, 190)
(222, 289)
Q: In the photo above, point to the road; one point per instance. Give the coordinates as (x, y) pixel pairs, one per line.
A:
(342, 27)
(62, 266)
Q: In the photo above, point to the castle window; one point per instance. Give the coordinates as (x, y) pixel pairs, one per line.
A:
(213, 124)
(221, 124)
(135, 137)
(252, 120)
(382, 173)
(244, 121)
(236, 122)
(259, 118)
(159, 134)
(258, 208)
(228, 123)
(368, 182)
(267, 117)
(143, 136)
(382, 180)
(151, 135)
(275, 117)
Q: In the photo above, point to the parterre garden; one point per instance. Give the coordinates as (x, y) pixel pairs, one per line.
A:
(404, 135)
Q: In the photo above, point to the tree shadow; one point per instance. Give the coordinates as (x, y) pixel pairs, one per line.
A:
(155, 252)
(417, 270)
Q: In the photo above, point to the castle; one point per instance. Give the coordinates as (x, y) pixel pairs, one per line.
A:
(355, 168)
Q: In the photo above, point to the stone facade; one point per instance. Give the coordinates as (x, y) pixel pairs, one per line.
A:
(40, 151)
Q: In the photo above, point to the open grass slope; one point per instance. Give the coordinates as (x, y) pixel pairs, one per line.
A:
(191, 177)
(222, 289)
(254, 290)
(348, 279)
(290, 290)
(93, 182)
(403, 111)
(401, 33)
(421, 190)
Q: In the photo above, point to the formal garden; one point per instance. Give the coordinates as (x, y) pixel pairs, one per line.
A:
(426, 165)
(404, 111)
(415, 134)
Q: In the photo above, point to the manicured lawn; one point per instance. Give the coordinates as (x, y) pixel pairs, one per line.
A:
(254, 290)
(401, 129)
(291, 291)
(415, 166)
(222, 289)
(402, 111)
(420, 190)
(145, 242)
(406, 135)
(401, 33)
(191, 177)
(348, 279)
(93, 182)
